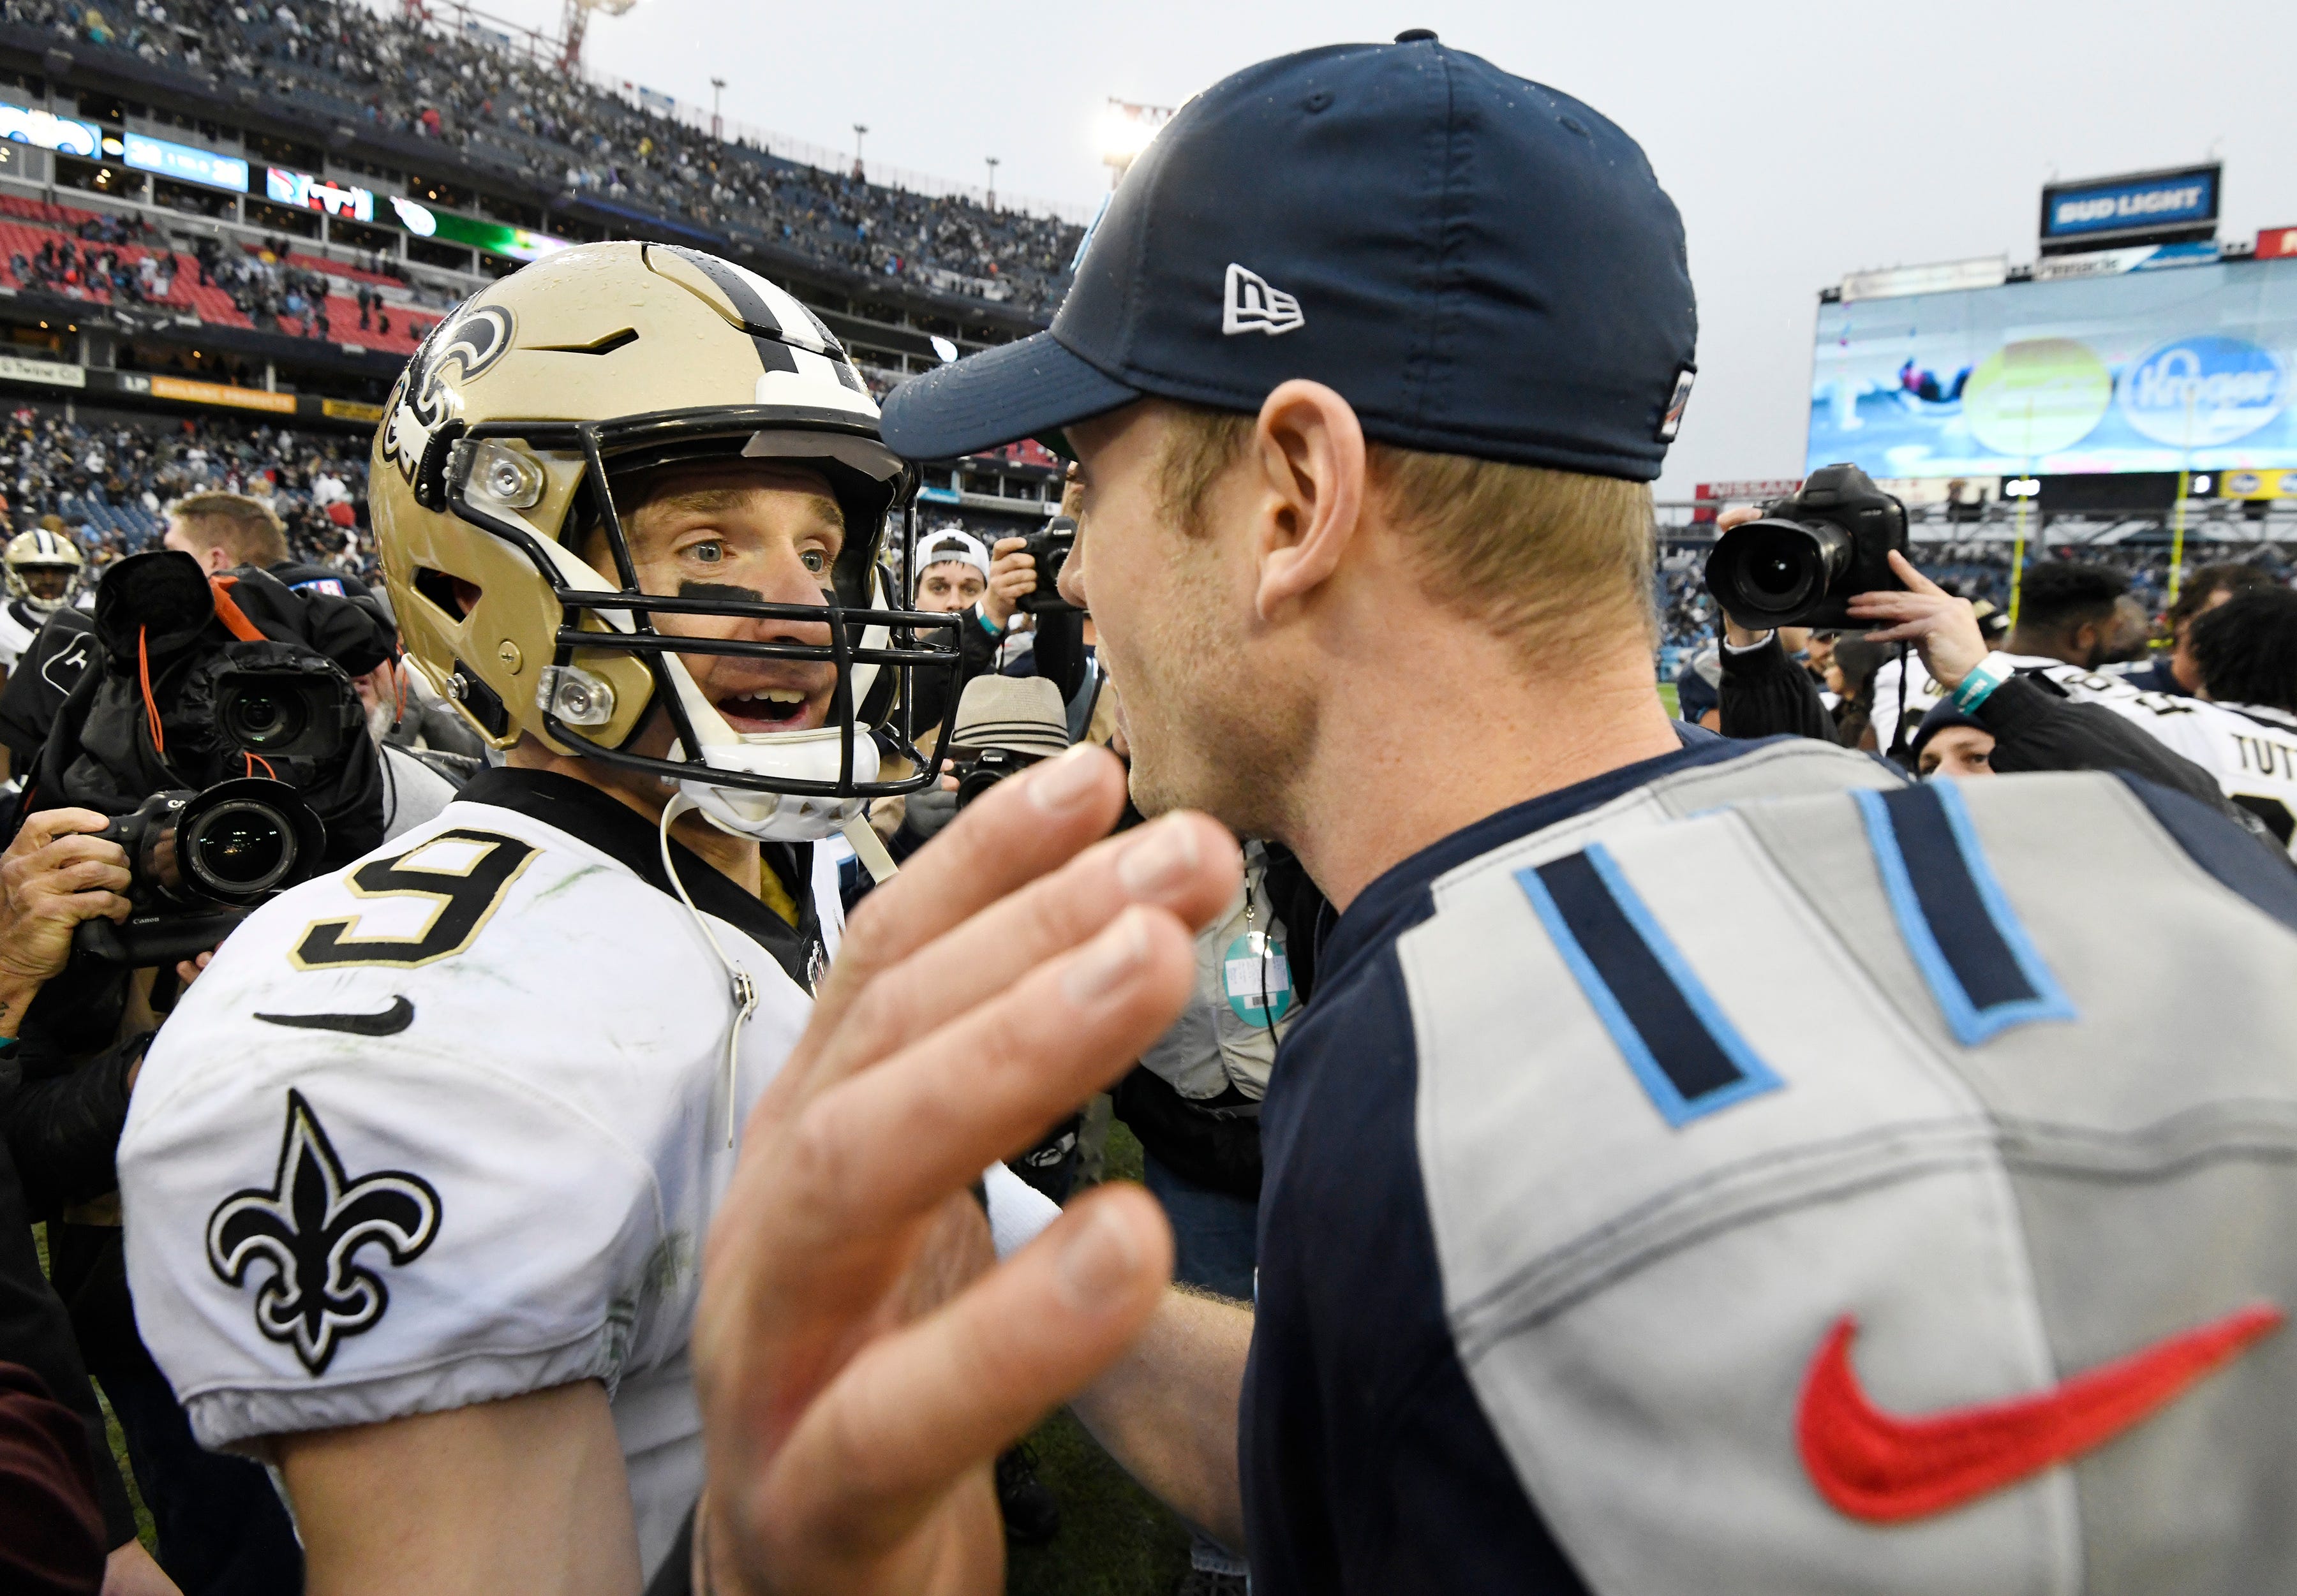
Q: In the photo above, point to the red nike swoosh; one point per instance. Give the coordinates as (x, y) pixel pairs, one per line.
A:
(1885, 1469)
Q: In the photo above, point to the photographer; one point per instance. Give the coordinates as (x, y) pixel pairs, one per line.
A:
(59, 1129)
(952, 573)
(2074, 620)
(218, 729)
(2030, 724)
(1004, 724)
(1064, 640)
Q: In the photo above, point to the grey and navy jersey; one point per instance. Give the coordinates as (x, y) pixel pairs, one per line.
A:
(1750, 1172)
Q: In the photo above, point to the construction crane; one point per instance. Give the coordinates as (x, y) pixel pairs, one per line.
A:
(578, 22)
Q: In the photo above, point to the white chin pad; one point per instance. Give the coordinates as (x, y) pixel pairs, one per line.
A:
(779, 816)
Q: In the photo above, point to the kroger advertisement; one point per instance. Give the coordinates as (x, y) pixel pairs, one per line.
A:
(2194, 369)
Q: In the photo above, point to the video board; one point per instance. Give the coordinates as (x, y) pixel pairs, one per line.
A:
(29, 126)
(2194, 368)
(185, 162)
(306, 193)
(518, 243)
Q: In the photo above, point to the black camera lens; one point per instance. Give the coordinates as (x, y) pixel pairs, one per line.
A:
(256, 717)
(979, 780)
(1768, 571)
(986, 769)
(240, 850)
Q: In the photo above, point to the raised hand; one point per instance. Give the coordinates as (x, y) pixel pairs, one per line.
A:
(1942, 627)
(854, 1389)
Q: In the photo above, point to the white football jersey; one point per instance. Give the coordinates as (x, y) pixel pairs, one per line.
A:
(1923, 690)
(19, 625)
(448, 1126)
(2249, 749)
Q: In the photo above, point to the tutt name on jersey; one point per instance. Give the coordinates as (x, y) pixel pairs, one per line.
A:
(2266, 757)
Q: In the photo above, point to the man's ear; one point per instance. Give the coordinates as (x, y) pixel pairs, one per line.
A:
(1309, 449)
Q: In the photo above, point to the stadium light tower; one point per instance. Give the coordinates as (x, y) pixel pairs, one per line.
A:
(994, 164)
(1125, 130)
(577, 23)
(717, 123)
(861, 129)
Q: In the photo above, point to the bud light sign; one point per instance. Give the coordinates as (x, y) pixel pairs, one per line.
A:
(2152, 205)
(2202, 390)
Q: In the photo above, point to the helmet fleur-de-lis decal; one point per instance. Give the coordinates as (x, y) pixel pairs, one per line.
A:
(465, 346)
(310, 1227)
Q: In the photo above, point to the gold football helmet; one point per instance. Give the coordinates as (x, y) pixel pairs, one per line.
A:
(41, 553)
(492, 468)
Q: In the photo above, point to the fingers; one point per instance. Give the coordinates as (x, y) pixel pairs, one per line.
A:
(1020, 829)
(890, 1141)
(44, 825)
(1914, 579)
(1186, 863)
(916, 1407)
(83, 874)
(71, 908)
(1740, 516)
(1901, 606)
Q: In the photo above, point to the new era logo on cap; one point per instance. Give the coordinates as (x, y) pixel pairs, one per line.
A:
(1452, 226)
(1249, 304)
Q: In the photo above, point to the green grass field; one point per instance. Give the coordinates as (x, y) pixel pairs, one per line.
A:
(1666, 696)
(1116, 1539)
(143, 1530)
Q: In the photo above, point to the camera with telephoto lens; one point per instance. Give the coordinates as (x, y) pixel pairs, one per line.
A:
(1803, 560)
(199, 861)
(1050, 550)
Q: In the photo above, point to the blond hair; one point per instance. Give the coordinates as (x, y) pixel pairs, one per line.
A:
(243, 526)
(1550, 560)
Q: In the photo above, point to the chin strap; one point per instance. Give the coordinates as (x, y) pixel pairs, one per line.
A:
(863, 839)
(743, 990)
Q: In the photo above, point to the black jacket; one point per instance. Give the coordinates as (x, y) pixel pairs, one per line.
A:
(36, 1330)
(2036, 727)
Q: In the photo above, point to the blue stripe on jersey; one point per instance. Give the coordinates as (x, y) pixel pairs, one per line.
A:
(1965, 938)
(1681, 1045)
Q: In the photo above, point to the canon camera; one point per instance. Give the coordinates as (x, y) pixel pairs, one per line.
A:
(1050, 550)
(1802, 562)
(199, 861)
(986, 769)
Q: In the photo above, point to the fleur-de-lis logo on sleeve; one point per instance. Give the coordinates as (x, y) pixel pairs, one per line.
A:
(309, 1227)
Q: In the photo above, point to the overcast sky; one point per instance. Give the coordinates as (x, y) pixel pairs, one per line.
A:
(1801, 141)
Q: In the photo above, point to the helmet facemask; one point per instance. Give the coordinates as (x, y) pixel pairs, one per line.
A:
(799, 786)
(42, 553)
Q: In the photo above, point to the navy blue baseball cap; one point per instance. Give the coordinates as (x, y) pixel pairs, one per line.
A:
(1479, 265)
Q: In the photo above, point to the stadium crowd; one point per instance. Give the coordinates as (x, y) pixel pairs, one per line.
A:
(109, 484)
(524, 118)
(539, 1181)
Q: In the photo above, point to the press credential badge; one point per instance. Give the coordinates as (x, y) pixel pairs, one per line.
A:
(1259, 978)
